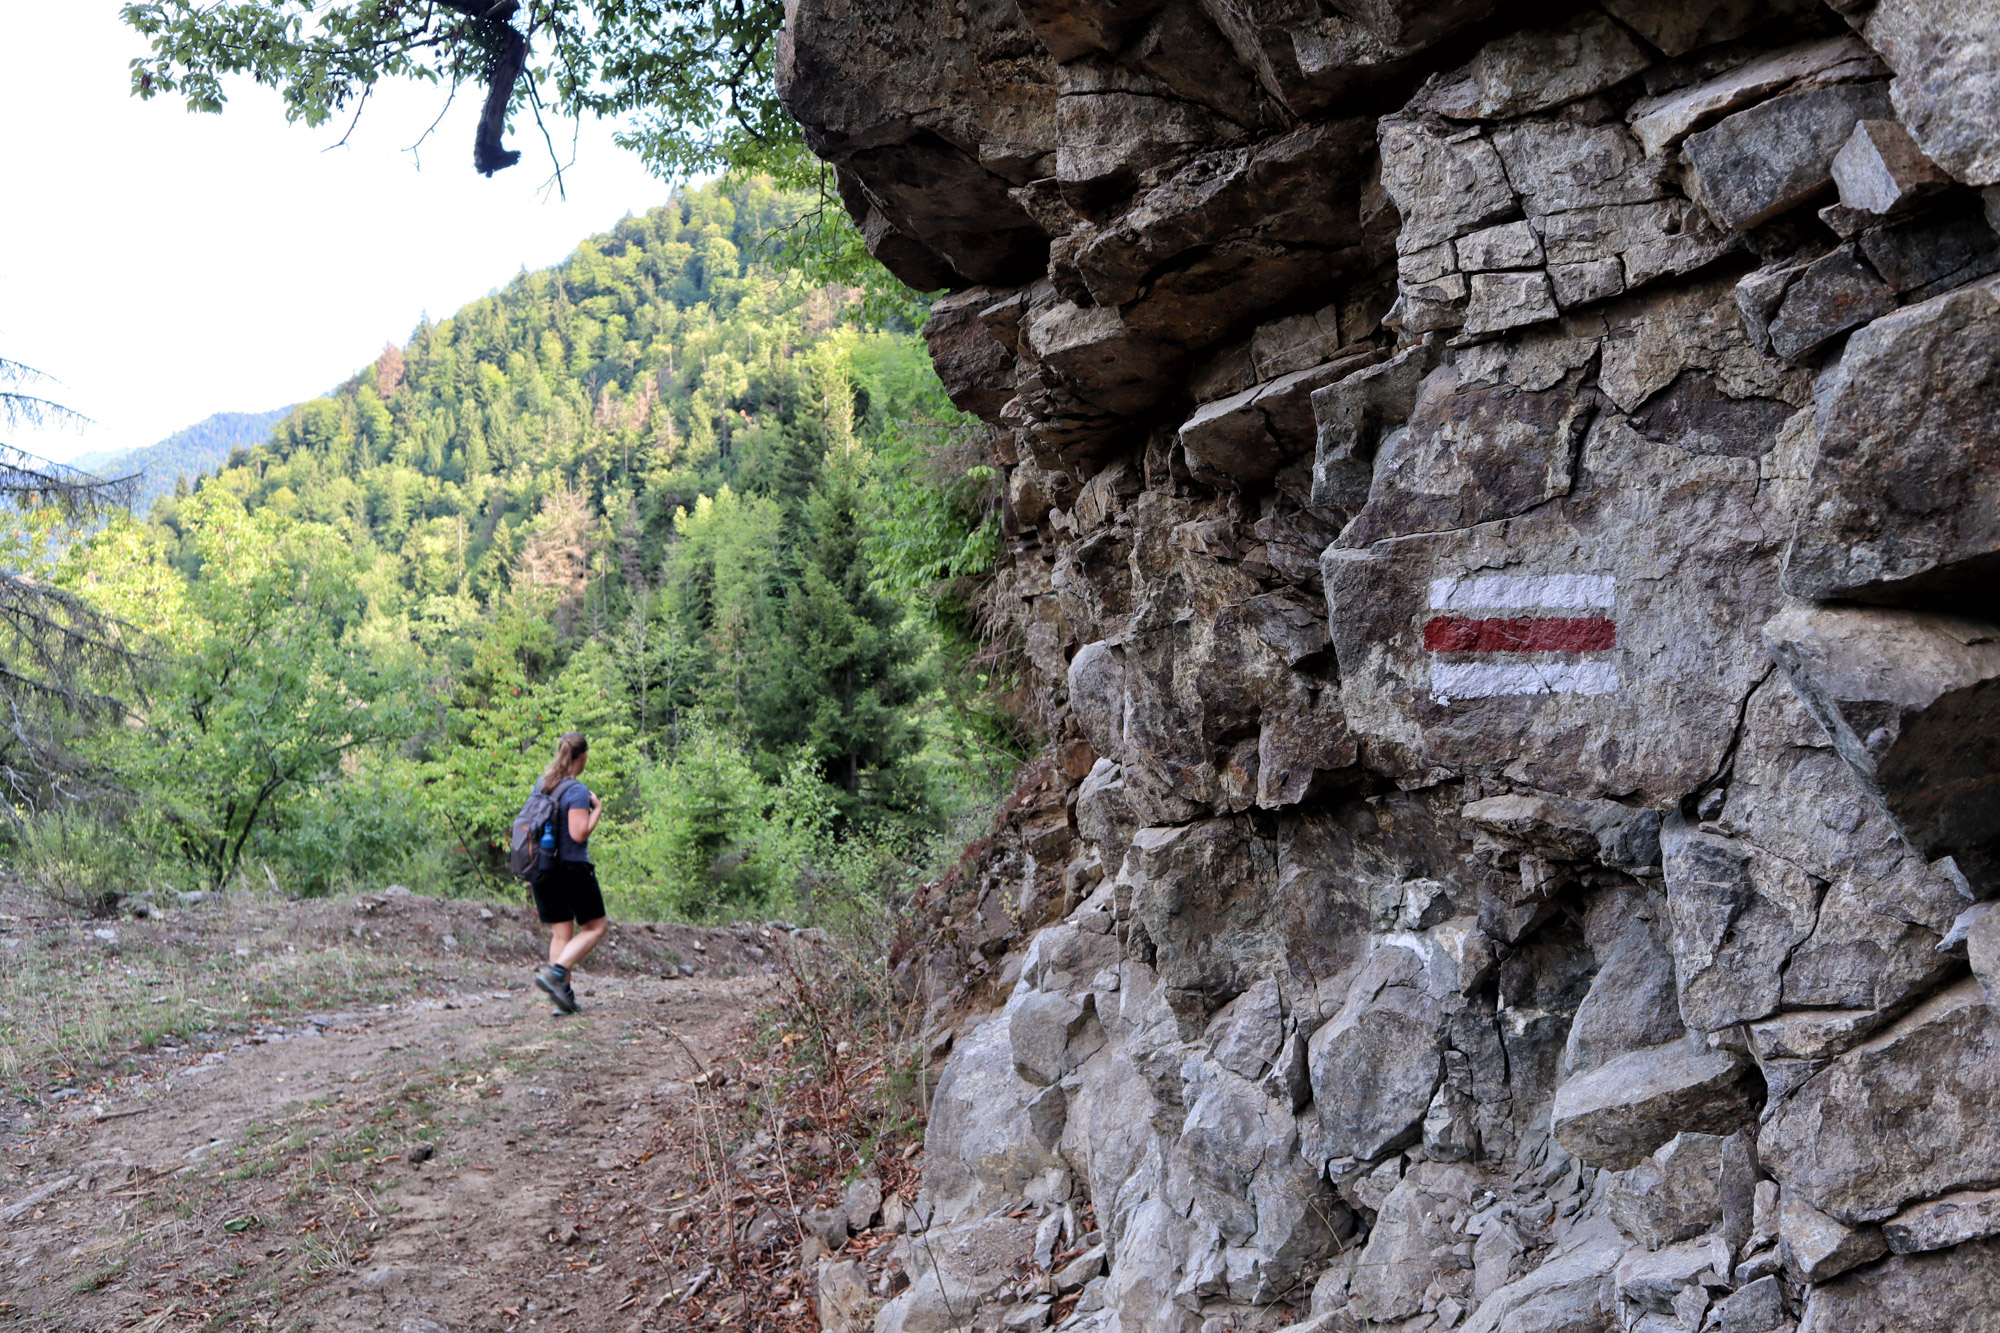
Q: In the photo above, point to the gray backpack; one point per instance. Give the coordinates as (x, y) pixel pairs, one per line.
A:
(531, 852)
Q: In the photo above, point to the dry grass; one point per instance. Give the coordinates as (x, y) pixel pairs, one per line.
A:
(74, 1003)
(83, 998)
(824, 1092)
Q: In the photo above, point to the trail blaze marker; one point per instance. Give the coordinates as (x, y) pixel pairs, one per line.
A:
(1504, 634)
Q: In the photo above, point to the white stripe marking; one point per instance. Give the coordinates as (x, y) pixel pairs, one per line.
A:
(1556, 592)
(1487, 680)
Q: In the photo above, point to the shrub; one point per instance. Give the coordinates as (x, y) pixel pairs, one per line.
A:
(83, 859)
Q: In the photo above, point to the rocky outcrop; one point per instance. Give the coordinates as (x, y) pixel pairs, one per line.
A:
(1500, 508)
(1904, 506)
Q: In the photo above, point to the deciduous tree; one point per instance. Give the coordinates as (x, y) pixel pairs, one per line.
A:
(696, 74)
(256, 690)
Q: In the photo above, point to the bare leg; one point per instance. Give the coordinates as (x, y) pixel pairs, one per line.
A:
(576, 947)
(559, 937)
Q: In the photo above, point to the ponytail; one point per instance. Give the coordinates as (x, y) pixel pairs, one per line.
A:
(569, 750)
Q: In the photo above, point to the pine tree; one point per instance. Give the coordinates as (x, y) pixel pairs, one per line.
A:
(848, 667)
(51, 641)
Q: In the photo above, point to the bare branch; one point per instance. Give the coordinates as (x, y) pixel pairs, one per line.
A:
(449, 98)
(29, 482)
(25, 409)
(358, 107)
(17, 408)
(52, 638)
(535, 99)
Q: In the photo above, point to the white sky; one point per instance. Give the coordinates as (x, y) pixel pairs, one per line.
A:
(165, 265)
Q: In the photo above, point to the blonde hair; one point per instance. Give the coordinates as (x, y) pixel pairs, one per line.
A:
(571, 747)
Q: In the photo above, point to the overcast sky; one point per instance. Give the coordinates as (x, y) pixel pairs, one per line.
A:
(165, 265)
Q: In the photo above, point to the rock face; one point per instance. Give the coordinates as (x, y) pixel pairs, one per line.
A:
(1908, 700)
(1501, 522)
(1939, 1068)
(1620, 1111)
(1904, 505)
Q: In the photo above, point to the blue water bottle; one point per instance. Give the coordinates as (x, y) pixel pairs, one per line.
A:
(548, 846)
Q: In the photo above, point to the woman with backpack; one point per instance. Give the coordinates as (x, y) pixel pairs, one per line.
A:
(567, 897)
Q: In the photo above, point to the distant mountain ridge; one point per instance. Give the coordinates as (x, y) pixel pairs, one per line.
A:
(202, 447)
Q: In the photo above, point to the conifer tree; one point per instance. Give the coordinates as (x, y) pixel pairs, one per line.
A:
(56, 649)
(850, 666)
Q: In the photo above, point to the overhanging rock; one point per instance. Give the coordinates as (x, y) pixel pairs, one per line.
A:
(1912, 702)
(1904, 504)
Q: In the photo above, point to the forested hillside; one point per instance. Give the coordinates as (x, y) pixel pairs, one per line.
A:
(184, 455)
(665, 493)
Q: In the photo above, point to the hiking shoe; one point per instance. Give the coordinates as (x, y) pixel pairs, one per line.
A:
(557, 989)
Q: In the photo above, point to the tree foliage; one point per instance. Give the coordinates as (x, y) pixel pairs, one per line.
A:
(659, 494)
(257, 692)
(696, 75)
(691, 81)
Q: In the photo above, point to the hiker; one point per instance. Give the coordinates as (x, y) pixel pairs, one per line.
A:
(567, 898)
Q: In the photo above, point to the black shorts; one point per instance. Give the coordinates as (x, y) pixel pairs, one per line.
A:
(570, 893)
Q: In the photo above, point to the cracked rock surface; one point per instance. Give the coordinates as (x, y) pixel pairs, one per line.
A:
(1500, 518)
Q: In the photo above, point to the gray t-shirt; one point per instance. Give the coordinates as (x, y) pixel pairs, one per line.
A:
(570, 795)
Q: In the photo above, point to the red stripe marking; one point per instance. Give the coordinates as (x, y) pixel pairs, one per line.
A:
(1519, 634)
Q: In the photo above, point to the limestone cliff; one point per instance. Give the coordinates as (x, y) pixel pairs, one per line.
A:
(1504, 507)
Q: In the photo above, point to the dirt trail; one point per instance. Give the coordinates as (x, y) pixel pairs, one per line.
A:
(449, 1163)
